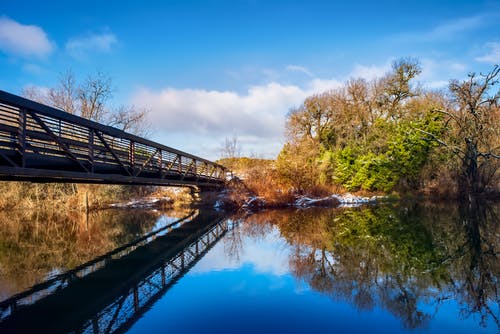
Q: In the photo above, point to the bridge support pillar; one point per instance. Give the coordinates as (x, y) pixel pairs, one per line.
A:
(205, 196)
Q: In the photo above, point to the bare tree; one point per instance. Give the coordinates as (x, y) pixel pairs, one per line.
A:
(477, 117)
(231, 148)
(93, 95)
(90, 100)
(36, 94)
(313, 118)
(396, 86)
(64, 96)
(130, 119)
(475, 132)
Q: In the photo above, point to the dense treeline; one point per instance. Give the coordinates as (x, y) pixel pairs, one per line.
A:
(390, 134)
(387, 135)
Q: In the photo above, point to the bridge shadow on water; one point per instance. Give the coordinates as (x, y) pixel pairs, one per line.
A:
(111, 292)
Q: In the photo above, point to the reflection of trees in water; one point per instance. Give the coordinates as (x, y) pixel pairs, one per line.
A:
(398, 257)
(36, 244)
(257, 226)
(233, 244)
(480, 267)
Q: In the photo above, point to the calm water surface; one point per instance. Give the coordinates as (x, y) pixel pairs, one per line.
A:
(419, 268)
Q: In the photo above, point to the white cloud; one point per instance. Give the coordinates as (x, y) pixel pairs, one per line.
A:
(80, 47)
(23, 40)
(256, 117)
(370, 72)
(430, 69)
(198, 120)
(447, 30)
(457, 67)
(318, 85)
(266, 255)
(299, 69)
(453, 28)
(36, 93)
(493, 56)
(436, 73)
(33, 69)
(438, 84)
(260, 111)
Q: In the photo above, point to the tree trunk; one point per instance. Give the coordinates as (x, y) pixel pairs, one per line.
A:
(470, 182)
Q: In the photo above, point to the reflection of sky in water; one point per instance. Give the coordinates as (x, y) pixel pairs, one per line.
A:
(256, 293)
(267, 255)
(163, 221)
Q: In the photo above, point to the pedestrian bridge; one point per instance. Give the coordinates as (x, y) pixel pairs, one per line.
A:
(39, 143)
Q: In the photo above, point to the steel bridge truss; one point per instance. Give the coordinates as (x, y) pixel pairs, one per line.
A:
(42, 144)
(127, 309)
(61, 281)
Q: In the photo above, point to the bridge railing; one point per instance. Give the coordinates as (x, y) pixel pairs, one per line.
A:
(34, 136)
(124, 311)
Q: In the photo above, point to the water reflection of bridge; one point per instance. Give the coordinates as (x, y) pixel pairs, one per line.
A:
(111, 298)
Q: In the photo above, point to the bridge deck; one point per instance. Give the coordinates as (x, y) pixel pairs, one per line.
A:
(43, 144)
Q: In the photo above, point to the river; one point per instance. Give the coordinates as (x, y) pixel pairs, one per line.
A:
(395, 268)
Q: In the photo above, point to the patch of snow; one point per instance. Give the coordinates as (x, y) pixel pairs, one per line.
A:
(218, 205)
(344, 200)
(254, 202)
(140, 203)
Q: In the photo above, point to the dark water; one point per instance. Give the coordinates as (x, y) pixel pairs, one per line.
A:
(415, 267)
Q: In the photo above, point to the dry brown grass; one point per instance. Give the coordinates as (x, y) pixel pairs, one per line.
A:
(181, 196)
(264, 183)
(65, 196)
(263, 180)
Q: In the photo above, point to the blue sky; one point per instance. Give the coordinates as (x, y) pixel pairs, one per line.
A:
(208, 70)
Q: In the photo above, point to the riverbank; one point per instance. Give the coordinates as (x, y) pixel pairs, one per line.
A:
(69, 197)
(255, 203)
(238, 197)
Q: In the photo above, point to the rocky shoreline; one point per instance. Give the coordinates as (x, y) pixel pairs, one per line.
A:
(255, 203)
(346, 199)
(144, 203)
